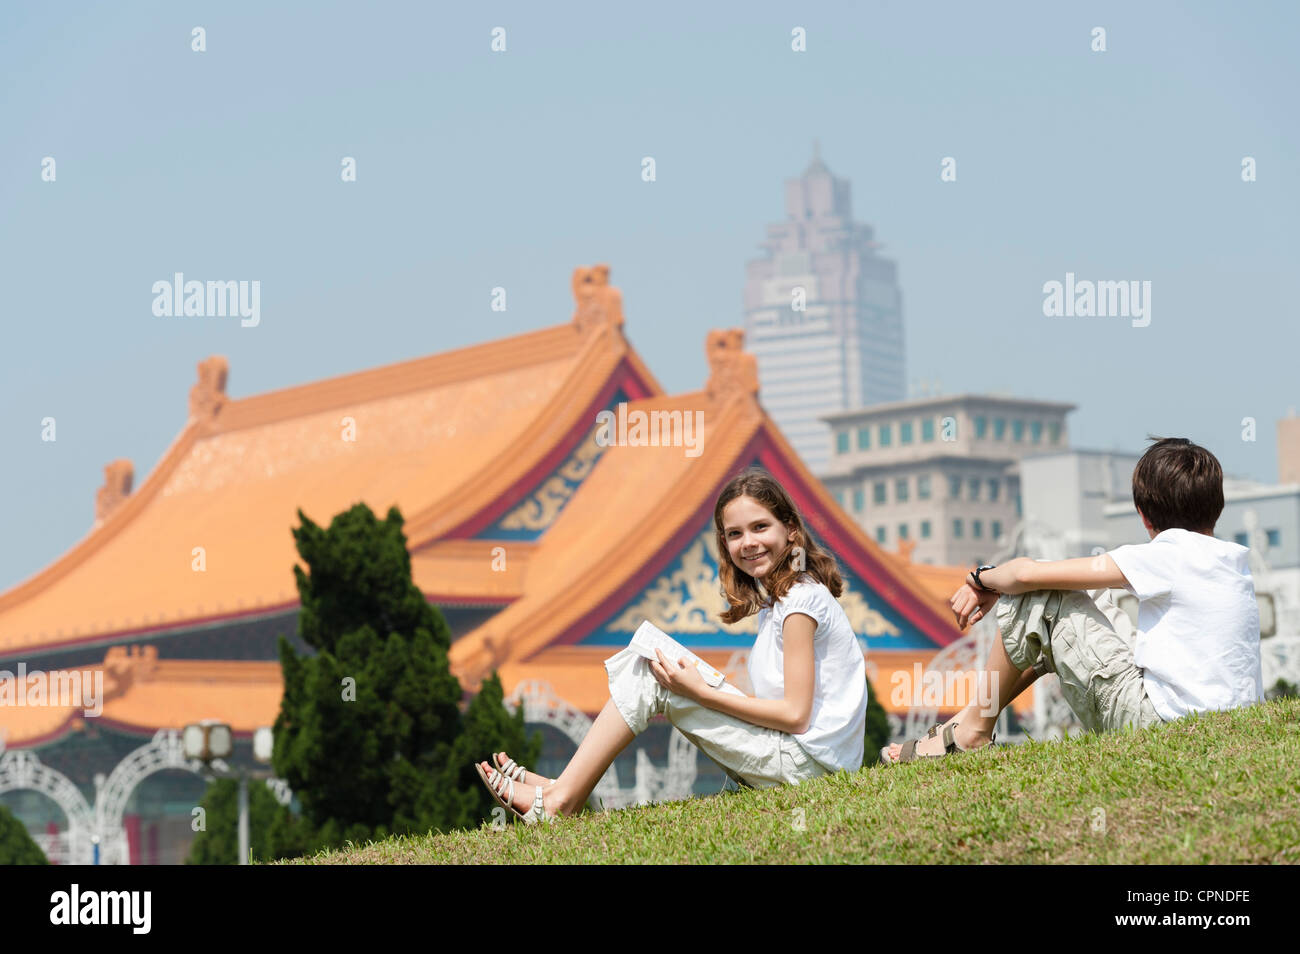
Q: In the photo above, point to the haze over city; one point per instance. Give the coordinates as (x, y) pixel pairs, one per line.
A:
(478, 169)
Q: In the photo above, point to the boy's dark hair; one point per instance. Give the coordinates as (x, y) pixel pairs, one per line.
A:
(1178, 485)
(741, 589)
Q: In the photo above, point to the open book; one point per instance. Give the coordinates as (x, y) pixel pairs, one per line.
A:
(649, 637)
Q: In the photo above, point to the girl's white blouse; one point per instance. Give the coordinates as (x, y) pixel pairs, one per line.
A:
(839, 711)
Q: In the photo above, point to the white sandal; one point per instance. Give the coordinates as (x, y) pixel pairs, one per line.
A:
(514, 771)
(503, 790)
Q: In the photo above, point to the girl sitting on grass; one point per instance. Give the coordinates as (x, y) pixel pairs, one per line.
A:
(808, 712)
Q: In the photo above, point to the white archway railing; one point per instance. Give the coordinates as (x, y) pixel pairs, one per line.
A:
(19, 770)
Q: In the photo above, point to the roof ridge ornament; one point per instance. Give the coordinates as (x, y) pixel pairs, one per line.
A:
(208, 396)
(732, 370)
(118, 477)
(598, 302)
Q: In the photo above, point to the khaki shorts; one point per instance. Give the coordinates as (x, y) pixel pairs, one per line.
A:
(1077, 635)
(749, 754)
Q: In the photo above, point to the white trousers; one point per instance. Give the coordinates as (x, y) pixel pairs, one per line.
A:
(749, 754)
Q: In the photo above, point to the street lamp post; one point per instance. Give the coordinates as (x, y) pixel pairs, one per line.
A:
(211, 740)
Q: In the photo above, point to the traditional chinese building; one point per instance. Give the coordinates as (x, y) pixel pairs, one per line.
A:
(544, 541)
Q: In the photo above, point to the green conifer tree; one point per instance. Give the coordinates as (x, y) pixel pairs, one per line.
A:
(16, 845)
(217, 842)
(877, 731)
(370, 734)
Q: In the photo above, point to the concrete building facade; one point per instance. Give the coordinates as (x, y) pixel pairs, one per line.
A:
(942, 472)
(823, 314)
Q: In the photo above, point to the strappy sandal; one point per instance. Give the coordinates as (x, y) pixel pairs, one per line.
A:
(503, 790)
(513, 770)
(884, 749)
(909, 753)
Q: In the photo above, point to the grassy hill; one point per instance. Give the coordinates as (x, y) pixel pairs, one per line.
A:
(1222, 788)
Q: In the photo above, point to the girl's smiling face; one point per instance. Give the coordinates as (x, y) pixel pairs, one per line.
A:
(756, 540)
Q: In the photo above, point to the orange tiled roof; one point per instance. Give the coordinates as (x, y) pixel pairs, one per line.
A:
(142, 693)
(233, 480)
(636, 502)
(503, 412)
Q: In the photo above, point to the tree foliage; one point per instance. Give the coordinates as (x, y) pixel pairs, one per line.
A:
(371, 734)
(16, 845)
(877, 731)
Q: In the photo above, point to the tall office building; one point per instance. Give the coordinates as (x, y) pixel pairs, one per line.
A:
(823, 315)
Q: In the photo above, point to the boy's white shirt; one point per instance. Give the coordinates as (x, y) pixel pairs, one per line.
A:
(1198, 622)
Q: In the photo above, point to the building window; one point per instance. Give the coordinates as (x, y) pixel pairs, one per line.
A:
(923, 487)
(925, 529)
(902, 531)
(977, 529)
(1054, 432)
(927, 429)
(999, 428)
(1017, 430)
(900, 490)
(1036, 431)
(954, 488)
(1237, 538)
(993, 488)
(839, 497)
(956, 527)
(858, 501)
(1274, 537)
(997, 529)
(864, 438)
(905, 432)
(981, 426)
(886, 435)
(974, 488)
(842, 442)
(880, 534)
(878, 492)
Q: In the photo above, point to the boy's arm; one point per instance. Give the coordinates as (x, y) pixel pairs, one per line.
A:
(1023, 575)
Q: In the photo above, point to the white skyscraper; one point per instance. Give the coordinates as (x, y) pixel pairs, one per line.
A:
(823, 315)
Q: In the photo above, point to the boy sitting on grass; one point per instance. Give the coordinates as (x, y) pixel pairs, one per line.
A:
(1197, 644)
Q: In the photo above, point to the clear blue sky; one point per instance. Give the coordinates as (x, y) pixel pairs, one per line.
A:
(478, 169)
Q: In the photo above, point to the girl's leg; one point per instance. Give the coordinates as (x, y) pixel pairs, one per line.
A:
(607, 737)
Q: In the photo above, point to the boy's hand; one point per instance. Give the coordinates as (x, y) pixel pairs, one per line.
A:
(970, 605)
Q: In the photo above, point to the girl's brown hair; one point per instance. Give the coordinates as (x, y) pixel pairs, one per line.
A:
(741, 589)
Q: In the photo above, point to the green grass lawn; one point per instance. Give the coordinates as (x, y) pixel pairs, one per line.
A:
(1221, 788)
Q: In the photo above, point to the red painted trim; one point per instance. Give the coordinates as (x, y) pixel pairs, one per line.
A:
(623, 377)
(470, 602)
(607, 607)
(62, 729)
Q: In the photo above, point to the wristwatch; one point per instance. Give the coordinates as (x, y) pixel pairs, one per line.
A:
(976, 574)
